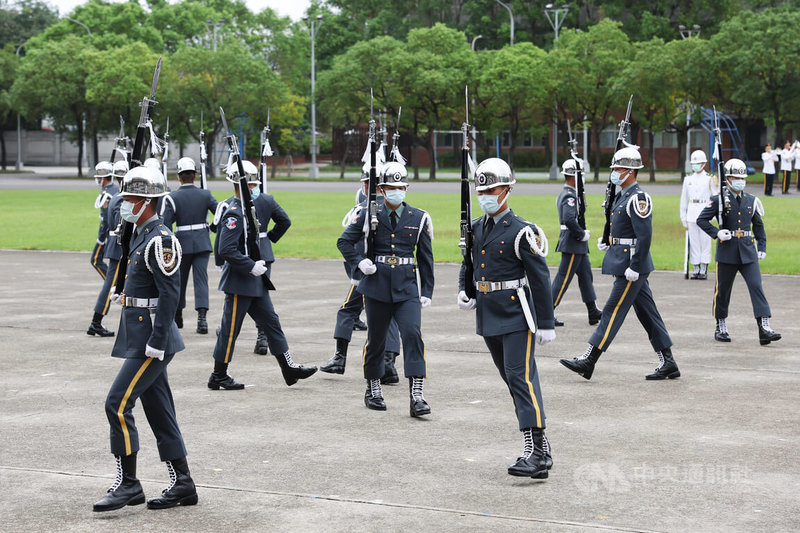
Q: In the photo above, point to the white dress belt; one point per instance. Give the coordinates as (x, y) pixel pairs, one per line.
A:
(394, 260)
(491, 286)
(191, 227)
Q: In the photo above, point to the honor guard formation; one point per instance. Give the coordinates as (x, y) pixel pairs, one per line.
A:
(153, 238)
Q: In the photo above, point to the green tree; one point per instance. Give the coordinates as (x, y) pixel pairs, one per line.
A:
(52, 81)
(23, 19)
(8, 69)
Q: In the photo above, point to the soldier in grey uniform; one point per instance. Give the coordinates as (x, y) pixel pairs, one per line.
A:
(628, 260)
(245, 292)
(402, 246)
(103, 176)
(572, 243)
(347, 315)
(148, 340)
(737, 251)
(188, 208)
(513, 301)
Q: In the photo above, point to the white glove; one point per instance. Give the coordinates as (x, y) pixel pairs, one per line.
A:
(685, 223)
(724, 235)
(585, 235)
(259, 268)
(762, 255)
(424, 301)
(603, 247)
(367, 267)
(149, 351)
(464, 302)
(354, 282)
(631, 275)
(113, 296)
(543, 336)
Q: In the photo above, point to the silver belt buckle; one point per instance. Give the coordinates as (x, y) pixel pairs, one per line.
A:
(738, 234)
(392, 260)
(483, 286)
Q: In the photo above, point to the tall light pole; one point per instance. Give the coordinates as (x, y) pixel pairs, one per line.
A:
(510, 18)
(472, 104)
(685, 32)
(83, 119)
(313, 28)
(555, 16)
(85, 27)
(19, 164)
(215, 23)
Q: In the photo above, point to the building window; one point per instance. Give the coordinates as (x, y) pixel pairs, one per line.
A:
(608, 138)
(444, 140)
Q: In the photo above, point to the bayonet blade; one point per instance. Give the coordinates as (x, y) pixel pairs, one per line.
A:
(121, 127)
(224, 122)
(466, 102)
(155, 80)
(268, 116)
(166, 133)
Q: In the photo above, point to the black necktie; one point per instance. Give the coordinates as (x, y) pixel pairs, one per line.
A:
(393, 218)
(489, 225)
(739, 201)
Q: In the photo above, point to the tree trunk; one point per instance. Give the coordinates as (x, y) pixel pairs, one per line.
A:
(414, 148)
(3, 149)
(430, 149)
(274, 166)
(596, 135)
(682, 135)
(652, 136)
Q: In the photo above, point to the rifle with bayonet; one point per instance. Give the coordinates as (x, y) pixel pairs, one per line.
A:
(371, 220)
(467, 237)
(266, 151)
(396, 155)
(248, 206)
(611, 189)
(121, 142)
(724, 204)
(164, 158)
(125, 231)
(203, 155)
(573, 151)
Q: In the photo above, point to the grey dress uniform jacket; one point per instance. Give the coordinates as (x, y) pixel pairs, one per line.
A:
(232, 249)
(113, 250)
(268, 209)
(145, 279)
(569, 239)
(631, 233)
(393, 282)
(744, 214)
(494, 258)
(108, 192)
(188, 208)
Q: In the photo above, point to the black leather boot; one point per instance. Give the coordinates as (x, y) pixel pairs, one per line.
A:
(721, 332)
(262, 347)
(220, 379)
(179, 318)
(181, 489)
(292, 372)
(584, 365)
(202, 323)
(96, 327)
(336, 363)
(594, 313)
(359, 325)
(532, 463)
(667, 368)
(419, 407)
(765, 333)
(557, 323)
(373, 397)
(126, 489)
(548, 459)
(390, 376)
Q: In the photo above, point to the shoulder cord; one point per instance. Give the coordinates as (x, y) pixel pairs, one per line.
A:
(158, 243)
(169, 199)
(648, 208)
(425, 217)
(538, 244)
(758, 207)
(101, 199)
(221, 208)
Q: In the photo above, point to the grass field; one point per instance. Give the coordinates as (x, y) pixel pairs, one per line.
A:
(66, 220)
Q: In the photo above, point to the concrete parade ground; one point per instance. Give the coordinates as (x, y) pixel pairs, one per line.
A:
(716, 450)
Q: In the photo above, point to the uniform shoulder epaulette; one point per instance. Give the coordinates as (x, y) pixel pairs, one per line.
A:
(642, 204)
(758, 207)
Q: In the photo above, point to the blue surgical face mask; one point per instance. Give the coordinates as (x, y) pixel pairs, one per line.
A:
(489, 203)
(697, 167)
(126, 211)
(395, 196)
(255, 192)
(738, 184)
(615, 177)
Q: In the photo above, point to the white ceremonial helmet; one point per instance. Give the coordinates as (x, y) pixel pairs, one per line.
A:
(120, 169)
(393, 174)
(627, 157)
(103, 169)
(152, 162)
(186, 164)
(697, 157)
(493, 172)
(144, 181)
(250, 170)
(568, 167)
(735, 168)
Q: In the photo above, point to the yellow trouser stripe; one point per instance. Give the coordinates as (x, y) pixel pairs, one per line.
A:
(95, 262)
(121, 409)
(108, 296)
(614, 315)
(716, 292)
(233, 327)
(528, 381)
(564, 285)
(349, 294)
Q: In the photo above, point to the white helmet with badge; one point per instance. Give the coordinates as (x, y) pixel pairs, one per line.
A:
(102, 170)
(568, 167)
(627, 157)
(145, 182)
(393, 174)
(698, 157)
(493, 172)
(735, 168)
(186, 164)
(250, 170)
(152, 162)
(120, 169)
